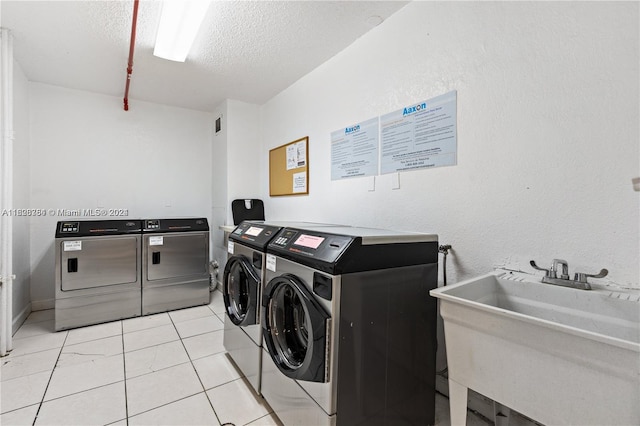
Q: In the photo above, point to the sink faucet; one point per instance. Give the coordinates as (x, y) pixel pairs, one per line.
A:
(565, 268)
(579, 279)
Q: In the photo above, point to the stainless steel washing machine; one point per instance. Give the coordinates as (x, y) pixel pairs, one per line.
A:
(97, 272)
(242, 281)
(175, 260)
(349, 329)
(242, 288)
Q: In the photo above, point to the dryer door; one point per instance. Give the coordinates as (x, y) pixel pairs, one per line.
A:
(296, 329)
(240, 291)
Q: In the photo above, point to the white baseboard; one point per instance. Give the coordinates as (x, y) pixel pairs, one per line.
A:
(18, 320)
(43, 305)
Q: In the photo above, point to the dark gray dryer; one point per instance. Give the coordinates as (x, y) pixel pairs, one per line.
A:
(175, 260)
(97, 271)
(349, 328)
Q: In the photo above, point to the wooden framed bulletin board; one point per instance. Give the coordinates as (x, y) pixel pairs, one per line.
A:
(289, 168)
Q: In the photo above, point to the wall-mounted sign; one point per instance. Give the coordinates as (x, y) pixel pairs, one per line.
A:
(299, 182)
(420, 135)
(354, 150)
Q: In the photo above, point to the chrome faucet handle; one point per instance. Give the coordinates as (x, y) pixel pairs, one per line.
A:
(550, 273)
(564, 275)
(581, 277)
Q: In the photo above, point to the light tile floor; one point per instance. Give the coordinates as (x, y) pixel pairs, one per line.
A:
(163, 369)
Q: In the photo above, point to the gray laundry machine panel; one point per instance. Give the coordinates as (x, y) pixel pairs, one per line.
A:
(97, 272)
(175, 258)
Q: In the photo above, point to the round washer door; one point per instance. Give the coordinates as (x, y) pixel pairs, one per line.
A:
(240, 291)
(295, 329)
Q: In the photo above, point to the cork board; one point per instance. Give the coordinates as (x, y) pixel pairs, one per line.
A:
(289, 168)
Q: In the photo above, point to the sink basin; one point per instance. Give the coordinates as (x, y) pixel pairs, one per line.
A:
(558, 355)
(608, 315)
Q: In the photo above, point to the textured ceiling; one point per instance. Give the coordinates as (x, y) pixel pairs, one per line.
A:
(246, 50)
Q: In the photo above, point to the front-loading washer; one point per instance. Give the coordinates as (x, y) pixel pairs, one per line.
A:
(242, 288)
(241, 291)
(349, 329)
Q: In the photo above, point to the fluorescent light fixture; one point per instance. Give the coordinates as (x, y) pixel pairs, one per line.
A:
(179, 24)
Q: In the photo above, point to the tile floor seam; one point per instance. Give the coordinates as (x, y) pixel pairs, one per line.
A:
(92, 340)
(197, 374)
(55, 365)
(225, 383)
(124, 366)
(18, 409)
(34, 352)
(143, 329)
(159, 369)
(82, 391)
(200, 334)
(210, 403)
(168, 403)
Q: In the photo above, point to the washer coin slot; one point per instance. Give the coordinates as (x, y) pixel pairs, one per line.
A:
(155, 258)
(72, 264)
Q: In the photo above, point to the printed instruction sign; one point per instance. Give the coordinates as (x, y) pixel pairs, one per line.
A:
(271, 262)
(296, 155)
(354, 150)
(299, 182)
(420, 136)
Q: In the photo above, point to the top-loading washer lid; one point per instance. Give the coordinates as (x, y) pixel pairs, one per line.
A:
(89, 228)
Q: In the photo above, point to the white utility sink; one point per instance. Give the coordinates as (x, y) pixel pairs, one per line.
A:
(558, 355)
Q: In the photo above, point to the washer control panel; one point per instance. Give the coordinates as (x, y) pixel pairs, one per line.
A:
(94, 228)
(256, 235)
(152, 224)
(175, 225)
(321, 246)
(69, 227)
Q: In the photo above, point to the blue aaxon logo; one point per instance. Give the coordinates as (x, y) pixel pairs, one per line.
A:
(415, 108)
(351, 129)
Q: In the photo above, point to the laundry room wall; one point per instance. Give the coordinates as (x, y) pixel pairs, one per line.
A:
(21, 198)
(243, 126)
(219, 197)
(547, 127)
(236, 159)
(87, 153)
